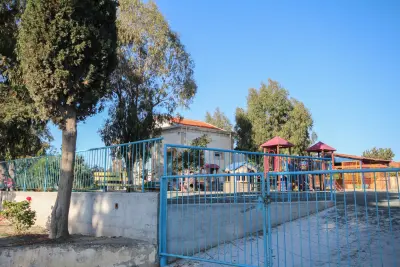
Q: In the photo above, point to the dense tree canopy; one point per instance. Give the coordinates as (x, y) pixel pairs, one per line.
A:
(272, 112)
(154, 75)
(22, 133)
(219, 119)
(67, 52)
(243, 131)
(379, 153)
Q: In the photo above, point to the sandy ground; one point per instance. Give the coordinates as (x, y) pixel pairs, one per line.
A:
(344, 235)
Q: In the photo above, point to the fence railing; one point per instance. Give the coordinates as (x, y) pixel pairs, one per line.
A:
(134, 166)
(281, 219)
(354, 224)
(182, 159)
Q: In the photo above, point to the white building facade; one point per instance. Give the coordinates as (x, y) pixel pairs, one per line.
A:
(183, 132)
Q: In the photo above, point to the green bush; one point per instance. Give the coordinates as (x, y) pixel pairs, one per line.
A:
(19, 214)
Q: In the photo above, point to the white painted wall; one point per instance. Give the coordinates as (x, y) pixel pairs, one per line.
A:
(97, 213)
(219, 139)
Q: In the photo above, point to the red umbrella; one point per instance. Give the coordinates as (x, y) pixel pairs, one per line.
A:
(211, 166)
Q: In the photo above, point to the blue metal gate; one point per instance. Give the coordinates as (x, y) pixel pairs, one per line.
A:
(227, 207)
(202, 211)
(203, 218)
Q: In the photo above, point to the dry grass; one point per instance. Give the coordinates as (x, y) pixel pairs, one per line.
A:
(9, 236)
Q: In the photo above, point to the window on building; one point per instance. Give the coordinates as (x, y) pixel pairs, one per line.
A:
(219, 155)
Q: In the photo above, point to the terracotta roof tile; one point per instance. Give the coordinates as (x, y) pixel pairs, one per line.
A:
(195, 123)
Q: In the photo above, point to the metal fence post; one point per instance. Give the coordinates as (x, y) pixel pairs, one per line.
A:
(330, 179)
(26, 167)
(45, 175)
(105, 170)
(163, 211)
(163, 221)
(143, 162)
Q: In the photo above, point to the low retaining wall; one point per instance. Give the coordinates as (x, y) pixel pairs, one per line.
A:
(192, 228)
(131, 215)
(118, 252)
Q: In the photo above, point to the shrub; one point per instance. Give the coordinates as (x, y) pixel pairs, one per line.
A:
(19, 214)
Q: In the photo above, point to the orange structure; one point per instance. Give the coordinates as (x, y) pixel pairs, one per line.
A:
(353, 181)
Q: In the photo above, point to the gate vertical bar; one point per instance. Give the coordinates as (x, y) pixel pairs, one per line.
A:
(163, 211)
(331, 179)
(143, 163)
(105, 170)
(26, 167)
(45, 174)
(267, 221)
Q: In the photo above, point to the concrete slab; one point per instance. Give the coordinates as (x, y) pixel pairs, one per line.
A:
(348, 235)
(81, 251)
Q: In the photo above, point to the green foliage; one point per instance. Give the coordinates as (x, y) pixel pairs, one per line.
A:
(298, 128)
(22, 133)
(201, 141)
(40, 172)
(10, 13)
(271, 112)
(19, 214)
(192, 159)
(243, 131)
(154, 75)
(219, 119)
(49, 168)
(67, 50)
(379, 153)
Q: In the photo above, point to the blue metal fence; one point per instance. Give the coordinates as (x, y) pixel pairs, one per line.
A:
(182, 159)
(192, 223)
(133, 166)
(317, 217)
(357, 226)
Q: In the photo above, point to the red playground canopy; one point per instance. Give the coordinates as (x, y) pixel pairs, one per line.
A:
(277, 142)
(320, 147)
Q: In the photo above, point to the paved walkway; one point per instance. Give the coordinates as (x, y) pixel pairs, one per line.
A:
(355, 236)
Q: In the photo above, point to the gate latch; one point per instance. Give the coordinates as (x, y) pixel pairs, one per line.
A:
(263, 201)
(267, 200)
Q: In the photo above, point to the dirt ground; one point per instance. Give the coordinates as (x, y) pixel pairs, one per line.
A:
(38, 235)
(9, 237)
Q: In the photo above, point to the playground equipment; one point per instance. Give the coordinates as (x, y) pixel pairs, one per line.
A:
(322, 148)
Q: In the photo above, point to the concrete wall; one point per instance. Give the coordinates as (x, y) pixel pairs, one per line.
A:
(132, 215)
(196, 227)
(81, 254)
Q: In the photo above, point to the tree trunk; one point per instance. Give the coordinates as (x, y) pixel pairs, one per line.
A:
(59, 215)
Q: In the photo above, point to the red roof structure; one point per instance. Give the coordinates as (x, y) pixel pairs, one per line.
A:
(273, 145)
(320, 147)
(277, 142)
(195, 123)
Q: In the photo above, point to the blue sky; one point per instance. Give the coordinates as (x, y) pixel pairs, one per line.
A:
(341, 58)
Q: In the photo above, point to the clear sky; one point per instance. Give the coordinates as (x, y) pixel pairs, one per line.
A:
(341, 58)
